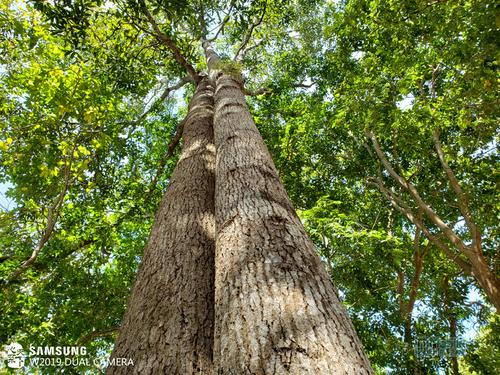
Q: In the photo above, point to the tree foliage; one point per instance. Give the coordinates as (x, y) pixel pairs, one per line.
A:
(348, 90)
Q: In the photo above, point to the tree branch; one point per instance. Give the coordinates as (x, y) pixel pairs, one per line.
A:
(261, 91)
(418, 258)
(168, 154)
(52, 216)
(222, 24)
(461, 196)
(401, 287)
(97, 333)
(304, 85)
(267, 90)
(237, 56)
(435, 72)
(221, 27)
(455, 240)
(249, 48)
(162, 37)
(163, 96)
(212, 58)
(401, 206)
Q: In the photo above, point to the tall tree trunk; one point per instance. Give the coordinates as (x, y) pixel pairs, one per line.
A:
(168, 325)
(276, 310)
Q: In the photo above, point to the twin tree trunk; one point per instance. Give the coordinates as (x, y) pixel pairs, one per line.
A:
(263, 303)
(168, 325)
(276, 310)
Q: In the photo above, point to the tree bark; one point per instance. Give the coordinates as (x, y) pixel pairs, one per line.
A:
(406, 308)
(276, 309)
(168, 325)
(486, 278)
(453, 336)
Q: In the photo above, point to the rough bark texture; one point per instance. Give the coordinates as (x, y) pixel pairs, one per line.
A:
(168, 325)
(276, 310)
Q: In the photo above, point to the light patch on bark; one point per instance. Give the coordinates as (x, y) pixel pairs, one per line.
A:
(168, 325)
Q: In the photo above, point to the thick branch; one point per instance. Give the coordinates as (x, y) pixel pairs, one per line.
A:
(162, 37)
(461, 196)
(211, 56)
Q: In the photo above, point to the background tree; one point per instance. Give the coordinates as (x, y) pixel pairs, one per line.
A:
(69, 132)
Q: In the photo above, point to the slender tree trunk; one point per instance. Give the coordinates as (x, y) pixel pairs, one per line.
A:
(168, 325)
(451, 358)
(411, 363)
(453, 336)
(418, 261)
(276, 310)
